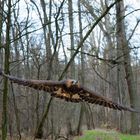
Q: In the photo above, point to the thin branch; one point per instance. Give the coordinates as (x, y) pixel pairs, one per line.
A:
(86, 36)
(131, 13)
(112, 61)
(133, 30)
(98, 74)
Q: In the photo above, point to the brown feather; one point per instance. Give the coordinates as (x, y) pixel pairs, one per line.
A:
(69, 90)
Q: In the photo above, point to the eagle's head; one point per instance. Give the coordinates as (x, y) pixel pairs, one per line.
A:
(72, 83)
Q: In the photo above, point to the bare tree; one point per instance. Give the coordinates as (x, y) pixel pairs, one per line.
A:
(38, 50)
(6, 70)
(82, 74)
(122, 42)
(70, 11)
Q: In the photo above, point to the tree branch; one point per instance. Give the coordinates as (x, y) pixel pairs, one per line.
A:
(85, 37)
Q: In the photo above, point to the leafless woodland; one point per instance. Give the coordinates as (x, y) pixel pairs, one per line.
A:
(95, 42)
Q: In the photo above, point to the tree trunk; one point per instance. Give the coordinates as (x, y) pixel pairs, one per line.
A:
(70, 11)
(6, 70)
(39, 131)
(1, 21)
(82, 76)
(40, 124)
(17, 58)
(122, 41)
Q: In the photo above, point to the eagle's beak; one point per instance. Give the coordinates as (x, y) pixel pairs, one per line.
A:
(76, 83)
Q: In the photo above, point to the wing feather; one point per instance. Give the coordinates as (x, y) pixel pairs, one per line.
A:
(76, 94)
(55, 88)
(94, 98)
(45, 85)
(36, 84)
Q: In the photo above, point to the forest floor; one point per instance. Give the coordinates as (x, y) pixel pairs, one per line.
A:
(97, 134)
(106, 135)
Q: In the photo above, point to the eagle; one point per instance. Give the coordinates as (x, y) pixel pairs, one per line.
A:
(69, 90)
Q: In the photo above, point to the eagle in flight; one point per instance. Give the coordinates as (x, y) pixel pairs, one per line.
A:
(69, 90)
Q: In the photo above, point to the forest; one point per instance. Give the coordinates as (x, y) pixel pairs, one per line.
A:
(95, 42)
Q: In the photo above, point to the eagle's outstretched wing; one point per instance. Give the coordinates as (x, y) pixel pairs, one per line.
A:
(58, 89)
(94, 98)
(70, 90)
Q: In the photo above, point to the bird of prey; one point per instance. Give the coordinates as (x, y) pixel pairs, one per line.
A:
(70, 90)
